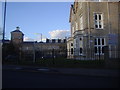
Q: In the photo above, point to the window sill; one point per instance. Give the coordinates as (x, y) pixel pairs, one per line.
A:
(98, 53)
(99, 28)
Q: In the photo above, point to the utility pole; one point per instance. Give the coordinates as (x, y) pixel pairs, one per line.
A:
(4, 21)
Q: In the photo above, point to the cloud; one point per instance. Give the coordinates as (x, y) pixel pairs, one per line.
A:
(38, 39)
(59, 34)
(28, 39)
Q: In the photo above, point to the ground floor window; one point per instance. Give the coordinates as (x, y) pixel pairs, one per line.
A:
(71, 50)
(81, 51)
(99, 50)
(99, 45)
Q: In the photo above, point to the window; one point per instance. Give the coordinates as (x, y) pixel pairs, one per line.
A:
(71, 44)
(95, 49)
(98, 20)
(71, 50)
(99, 45)
(53, 40)
(81, 50)
(64, 40)
(103, 50)
(47, 40)
(80, 39)
(103, 41)
(95, 41)
(98, 41)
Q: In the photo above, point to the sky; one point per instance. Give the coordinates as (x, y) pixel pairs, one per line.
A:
(49, 18)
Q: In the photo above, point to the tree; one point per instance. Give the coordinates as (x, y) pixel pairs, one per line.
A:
(8, 49)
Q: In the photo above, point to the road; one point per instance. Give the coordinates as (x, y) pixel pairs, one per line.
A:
(19, 79)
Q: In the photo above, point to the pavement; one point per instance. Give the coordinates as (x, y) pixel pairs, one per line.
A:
(68, 71)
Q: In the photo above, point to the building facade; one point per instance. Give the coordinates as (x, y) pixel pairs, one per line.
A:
(95, 29)
(70, 48)
(29, 49)
(17, 36)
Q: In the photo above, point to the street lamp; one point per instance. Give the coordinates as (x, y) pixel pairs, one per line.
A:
(4, 20)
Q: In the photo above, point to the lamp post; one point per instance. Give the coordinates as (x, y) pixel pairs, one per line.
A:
(4, 21)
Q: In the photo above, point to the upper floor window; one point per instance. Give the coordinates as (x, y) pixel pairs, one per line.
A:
(71, 44)
(99, 41)
(80, 39)
(98, 17)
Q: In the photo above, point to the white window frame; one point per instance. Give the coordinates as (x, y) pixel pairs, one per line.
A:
(98, 22)
(101, 46)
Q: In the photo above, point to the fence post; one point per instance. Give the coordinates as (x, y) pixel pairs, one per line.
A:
(53, 56)
(106, 55)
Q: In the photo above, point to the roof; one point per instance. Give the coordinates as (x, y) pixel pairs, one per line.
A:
(28, 42)
(17, 30)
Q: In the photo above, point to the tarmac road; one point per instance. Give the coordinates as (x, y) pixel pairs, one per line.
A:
(20, 79)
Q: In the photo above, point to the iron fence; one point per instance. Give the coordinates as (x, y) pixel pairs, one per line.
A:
(92, 55)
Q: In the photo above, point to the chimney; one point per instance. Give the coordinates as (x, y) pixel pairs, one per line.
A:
(17, 28)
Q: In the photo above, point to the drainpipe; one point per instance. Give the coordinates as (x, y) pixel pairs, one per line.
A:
(110, 53)
(89, 33)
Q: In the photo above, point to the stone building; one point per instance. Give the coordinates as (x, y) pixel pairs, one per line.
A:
(29, 49)
(70, 48)
(43, 49)
(95, 29)
(17, 36)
